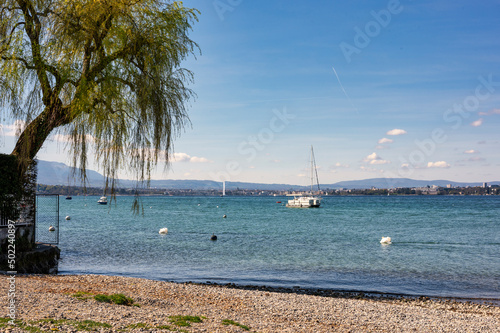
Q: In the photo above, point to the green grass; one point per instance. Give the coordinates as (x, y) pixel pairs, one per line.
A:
(164, 327)
(93, 326)
(119, 299)
(84, 325)
(232, 322)
(82, 295)
(184, 321)
(139, 325)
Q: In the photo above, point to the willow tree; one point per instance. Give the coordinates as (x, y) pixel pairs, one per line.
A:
(105, 73)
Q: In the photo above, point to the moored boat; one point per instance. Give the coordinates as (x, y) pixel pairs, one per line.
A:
(308, 200)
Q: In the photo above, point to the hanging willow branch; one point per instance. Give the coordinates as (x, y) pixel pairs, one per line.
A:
(107, 73)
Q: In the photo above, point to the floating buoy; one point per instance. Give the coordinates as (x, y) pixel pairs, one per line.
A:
(163, 231)
(68, 217)
(386, 240)
(51, 228)
(224, 216)
(278, 201)
(213, 237)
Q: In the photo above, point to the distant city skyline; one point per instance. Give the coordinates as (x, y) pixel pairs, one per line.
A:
(399, 89)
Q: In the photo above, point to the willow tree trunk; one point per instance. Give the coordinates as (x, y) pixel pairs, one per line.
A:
(36, 132)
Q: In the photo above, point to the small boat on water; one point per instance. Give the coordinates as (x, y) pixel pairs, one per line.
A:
(307, 200)
(103, 200)
(69, 197)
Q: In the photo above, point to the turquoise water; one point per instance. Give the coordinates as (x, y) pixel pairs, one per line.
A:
(442, 246)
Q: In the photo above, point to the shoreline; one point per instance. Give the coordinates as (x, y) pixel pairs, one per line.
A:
(351, 294)
(48, 303)
(318, 291)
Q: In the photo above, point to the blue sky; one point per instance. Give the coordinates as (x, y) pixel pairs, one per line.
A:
(379, 88)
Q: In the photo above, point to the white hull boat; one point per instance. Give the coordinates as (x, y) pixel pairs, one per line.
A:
(308, 200)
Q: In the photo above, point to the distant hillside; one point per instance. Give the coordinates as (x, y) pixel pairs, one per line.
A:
(397, 182)
(54, 173)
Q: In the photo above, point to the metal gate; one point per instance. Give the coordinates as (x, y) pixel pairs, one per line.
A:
(47, 218)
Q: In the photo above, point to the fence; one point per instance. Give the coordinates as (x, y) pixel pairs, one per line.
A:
(47, 218)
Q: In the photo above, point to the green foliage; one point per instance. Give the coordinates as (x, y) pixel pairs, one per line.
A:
(184, 321)
(83, 325)
(232, 322)
(82, 295)
(139, 325)
(119, 299)
(106, 74)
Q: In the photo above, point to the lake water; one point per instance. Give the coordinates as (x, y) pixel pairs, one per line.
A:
(441, 246)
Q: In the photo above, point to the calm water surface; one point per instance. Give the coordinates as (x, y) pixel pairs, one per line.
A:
(442, 246)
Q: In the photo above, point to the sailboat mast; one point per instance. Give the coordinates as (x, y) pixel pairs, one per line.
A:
(314, 171)
(312, 177)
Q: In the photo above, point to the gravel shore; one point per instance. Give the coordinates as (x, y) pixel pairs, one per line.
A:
(66, 303)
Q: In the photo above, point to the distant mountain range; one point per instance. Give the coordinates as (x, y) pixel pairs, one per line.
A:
(55, 173)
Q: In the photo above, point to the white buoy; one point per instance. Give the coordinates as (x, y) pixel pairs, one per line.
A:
(163, 231)
(386, 240)
(68, 217)
(51, 228)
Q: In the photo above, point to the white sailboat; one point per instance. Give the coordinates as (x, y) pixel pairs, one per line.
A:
(308, 200)
(103, 200)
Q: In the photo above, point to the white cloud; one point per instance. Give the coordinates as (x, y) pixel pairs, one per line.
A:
(183, 157)
(385, 140)
(477, 123)
(494, 111)
(14, 129)
(471, 151)
(396, 131)
(372, 157)
(340, 165)
(439, 164)
(379, 162)
(196, 159)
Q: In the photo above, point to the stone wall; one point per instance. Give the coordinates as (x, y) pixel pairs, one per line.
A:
(18, 212)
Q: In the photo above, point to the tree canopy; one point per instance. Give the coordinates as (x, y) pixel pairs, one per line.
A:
(105, 73)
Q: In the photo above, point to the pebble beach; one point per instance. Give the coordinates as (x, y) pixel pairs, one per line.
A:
(67, 303)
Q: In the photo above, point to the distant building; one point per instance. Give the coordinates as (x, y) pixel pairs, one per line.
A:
(485, 185)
